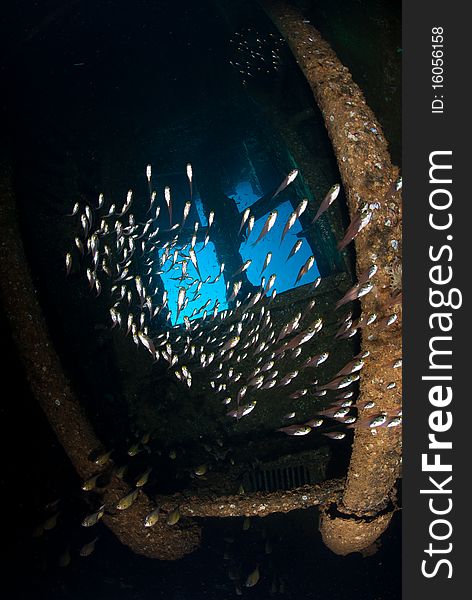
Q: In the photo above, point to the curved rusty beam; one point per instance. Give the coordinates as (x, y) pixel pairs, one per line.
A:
(257, 504)
(368, 177)
(52, 390)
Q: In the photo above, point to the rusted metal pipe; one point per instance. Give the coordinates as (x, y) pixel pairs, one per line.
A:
(368, 177)
(257, 504)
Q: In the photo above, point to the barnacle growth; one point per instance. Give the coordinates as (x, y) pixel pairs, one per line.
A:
(394, 271)
(368, 176)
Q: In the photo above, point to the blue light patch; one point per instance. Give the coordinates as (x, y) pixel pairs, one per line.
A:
(244, 195)
(199, 207)
(209, 266)
(286, 271)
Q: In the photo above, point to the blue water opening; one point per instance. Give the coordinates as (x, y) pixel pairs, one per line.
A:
(244, 195)
(209, 267)
(286, 271)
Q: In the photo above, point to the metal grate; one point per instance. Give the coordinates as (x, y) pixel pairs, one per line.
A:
(288, 472)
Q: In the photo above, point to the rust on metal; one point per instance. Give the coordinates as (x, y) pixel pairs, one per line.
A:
(257, 504)
(368, 177)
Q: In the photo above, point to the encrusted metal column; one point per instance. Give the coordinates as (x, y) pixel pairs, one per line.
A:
(369, 178)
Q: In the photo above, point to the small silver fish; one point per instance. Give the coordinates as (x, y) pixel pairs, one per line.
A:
(395, 422)
(128, 500)
(242, 411)
(303, 337)
(152, 518)
(253, 578)
(335, 435)
(103, 458)
(298, 394)
(317, 360)
(93, 518)
(79, 245)
(232, 343)
(187, 207)
(314, 422)
(327, 201)
(68, 262)
(211, 218)
(267, 260)
(295, 429)
(173, 517)
(351, 367)
(301, 207)
(250, 224)
(354, 293)
(168, 202)
(340, 383)
(75, 210)
(190, 177)
(143, 478)
(286, 182)
(90, 483)
(267, 226)
(270, 283)
(243, 268)
(236, 288)
(360, 221)
(341, 412)
(368, 274)
(289, 224)
(147, 343)
(378, 421)
(87, 549)
(305, 268)
(245, 217)
(365, 289)
(180, 300)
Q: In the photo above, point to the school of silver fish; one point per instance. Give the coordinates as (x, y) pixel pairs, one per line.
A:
(240, 349)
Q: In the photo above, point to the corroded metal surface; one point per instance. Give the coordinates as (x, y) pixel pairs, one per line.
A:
(258, 504)
(344, 535)
(368, 177)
